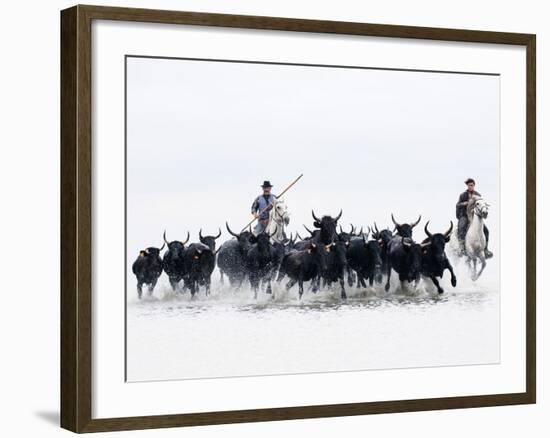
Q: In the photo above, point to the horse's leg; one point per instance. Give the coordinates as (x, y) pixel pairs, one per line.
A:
(474, 268)
(268, 280)
(483, 264)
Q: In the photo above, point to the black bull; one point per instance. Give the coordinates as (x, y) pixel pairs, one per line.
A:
(199, 262)
(411, 260)
(232, 257)
(173, 260)
(364, 257)
(305, 265)
(336, 250)
(147, 268)
(434, 259)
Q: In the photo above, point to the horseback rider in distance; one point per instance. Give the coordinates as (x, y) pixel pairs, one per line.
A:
(259, 210)
(462, 216)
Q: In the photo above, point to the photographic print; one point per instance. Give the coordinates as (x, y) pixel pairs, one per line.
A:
(293, 218)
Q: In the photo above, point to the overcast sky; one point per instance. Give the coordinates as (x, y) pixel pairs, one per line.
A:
(202, 136)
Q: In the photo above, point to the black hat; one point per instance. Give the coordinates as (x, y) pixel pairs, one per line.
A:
(266, 184)
(469, 180)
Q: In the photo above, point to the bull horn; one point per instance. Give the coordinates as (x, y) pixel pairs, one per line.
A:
(397, 225)
(200, 234)
(229, 230)
(425, 244)
(187, 240)
(315, 217)
(337, 218)
(448, 232)
(376, 228)
(417, 222)
(298, 236)
(426, 230)
(308, 230)
(352, 231)
(341, 230)
(361, 232)
(164, 237)
(162, 247)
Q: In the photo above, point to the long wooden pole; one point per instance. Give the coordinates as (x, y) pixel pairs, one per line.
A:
(270, 204)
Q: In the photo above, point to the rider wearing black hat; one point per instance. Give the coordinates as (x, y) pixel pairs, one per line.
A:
(261, 207)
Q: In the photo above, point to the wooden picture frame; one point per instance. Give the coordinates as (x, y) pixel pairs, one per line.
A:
(76, 217)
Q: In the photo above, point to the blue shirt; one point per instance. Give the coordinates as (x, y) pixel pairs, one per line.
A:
(262, 202)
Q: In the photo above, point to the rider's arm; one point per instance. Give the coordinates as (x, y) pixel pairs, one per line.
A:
(461, 202)
(255, 207)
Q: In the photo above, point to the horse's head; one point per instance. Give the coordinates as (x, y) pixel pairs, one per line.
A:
(280, 212)
(480, 207)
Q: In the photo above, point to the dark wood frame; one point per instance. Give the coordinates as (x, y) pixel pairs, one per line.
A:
(76, 226)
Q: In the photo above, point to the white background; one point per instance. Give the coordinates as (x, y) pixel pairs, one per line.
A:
(30, 183)
(203, 135)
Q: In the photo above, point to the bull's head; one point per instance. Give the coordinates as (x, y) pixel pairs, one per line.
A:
(319, 253)
(175, 244)
(405, 230)
(436, 242)
(263, 241)
(245, 238)
(345, 237)
(327, 226)
(210, 241)
(383, 236)
(151, 251)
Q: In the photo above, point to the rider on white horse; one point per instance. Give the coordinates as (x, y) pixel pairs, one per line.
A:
(261, 208)
(462, 216)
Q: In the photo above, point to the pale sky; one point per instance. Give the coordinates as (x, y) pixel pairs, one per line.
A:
(202, 136)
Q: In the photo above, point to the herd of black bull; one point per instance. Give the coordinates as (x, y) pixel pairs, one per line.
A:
(326, 257)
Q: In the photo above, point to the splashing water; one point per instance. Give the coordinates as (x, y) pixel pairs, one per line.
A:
(229, 334)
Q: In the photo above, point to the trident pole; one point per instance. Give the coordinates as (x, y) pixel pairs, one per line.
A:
(270, 204)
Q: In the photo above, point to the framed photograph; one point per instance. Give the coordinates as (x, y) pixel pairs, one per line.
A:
(271, 218)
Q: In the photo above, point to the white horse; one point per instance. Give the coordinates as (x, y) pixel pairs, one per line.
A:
(279, 217)
(475, 242)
